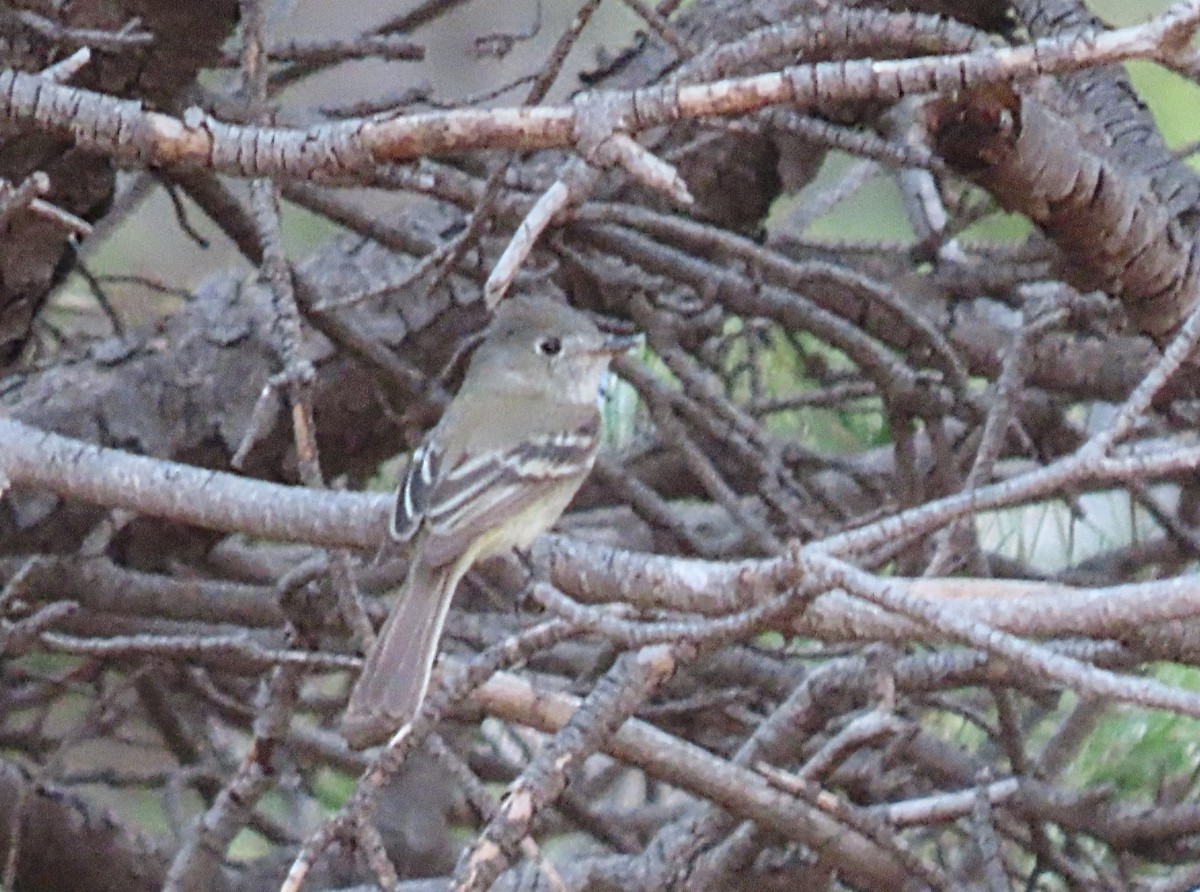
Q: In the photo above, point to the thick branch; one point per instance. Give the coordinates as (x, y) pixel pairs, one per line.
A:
(129, 133)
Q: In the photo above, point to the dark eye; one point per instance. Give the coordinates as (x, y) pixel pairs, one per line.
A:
(549, 346)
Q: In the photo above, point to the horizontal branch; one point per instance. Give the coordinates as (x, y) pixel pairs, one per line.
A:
(187, 494)
(595, 574)
(130, 133)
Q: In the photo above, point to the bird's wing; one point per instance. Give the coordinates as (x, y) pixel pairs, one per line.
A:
(456, 503)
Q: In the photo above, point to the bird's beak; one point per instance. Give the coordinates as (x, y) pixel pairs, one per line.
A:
(615, 345)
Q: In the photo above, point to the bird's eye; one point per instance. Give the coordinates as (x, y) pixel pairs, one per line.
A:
(549, 346)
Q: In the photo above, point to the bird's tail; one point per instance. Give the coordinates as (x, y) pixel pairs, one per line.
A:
(393, 682)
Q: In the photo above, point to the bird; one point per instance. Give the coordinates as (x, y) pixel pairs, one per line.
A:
(498, 469)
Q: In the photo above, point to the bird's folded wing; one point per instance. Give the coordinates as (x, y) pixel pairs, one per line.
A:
(481, 492)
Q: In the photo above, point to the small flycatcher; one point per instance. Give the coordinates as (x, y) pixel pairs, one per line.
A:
(508, 455)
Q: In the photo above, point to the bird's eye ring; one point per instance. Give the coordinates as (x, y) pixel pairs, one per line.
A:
(549, 346)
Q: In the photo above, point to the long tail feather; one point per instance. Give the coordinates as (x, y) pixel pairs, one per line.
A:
(396, 675)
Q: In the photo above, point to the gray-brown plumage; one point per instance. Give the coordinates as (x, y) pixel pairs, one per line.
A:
(499, 468)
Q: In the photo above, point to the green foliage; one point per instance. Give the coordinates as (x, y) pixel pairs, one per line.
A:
(1137, 750)
(999, 226)
(333, 788)
(303, 230)
(782, 367)
(873, 212)
(248, 845)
